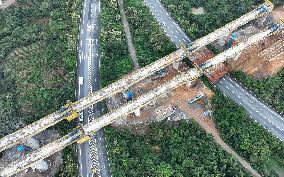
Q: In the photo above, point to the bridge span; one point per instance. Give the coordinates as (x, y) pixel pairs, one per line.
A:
(84, 133)
(71, 110)
(92, 127)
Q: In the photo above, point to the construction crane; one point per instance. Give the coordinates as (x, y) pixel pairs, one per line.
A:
(82, 134)
(71, 110)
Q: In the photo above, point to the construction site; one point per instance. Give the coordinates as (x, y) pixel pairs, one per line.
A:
(168, 89)
(194, 94)
(262, 59)
(265, 58)
(47, 167)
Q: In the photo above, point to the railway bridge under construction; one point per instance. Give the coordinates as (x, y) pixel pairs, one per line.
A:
(213, 68)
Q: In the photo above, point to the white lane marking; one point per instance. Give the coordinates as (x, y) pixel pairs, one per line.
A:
(230, 79)
(81, 80)
(99, 6)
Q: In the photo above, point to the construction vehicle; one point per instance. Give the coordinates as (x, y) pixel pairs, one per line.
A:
(274, 28)
(231, 41)
(83, 133)
(129, 95)
(159, 74)
(122, 84)
(196, 98)
(127, 81)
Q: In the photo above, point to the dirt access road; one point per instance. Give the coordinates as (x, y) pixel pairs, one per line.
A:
(209, 126)
(131, 48)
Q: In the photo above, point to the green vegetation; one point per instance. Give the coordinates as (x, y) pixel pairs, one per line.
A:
(115, 60)
(217, 14)
(247, 137)
(37, 75)
(269, 90)
(37, 63)
(259, 146)
(149, 39)
(277, 2)
(169, 149)
(69, 167)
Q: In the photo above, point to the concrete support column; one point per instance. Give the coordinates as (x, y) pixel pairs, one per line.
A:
(137, 112)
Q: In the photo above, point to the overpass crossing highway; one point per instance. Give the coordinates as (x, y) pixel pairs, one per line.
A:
(71, 110)
(85, 132)
(267, 117)
(178, 36)
(93, 160)
(98, 123)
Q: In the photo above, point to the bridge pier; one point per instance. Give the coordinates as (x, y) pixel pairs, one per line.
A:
(137, 112)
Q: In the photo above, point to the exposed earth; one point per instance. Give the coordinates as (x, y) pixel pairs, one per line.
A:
(174, 106)
(54, 161)
(167, 104)
(265, 58)
(197, 11)
(261, 60)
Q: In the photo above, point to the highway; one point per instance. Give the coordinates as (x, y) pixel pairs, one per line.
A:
(97, 124)
(266, 116)
(87, 52)
(178, 36)
(93, 160)
(71, 110)
(83, 133)
(262, 113)
(172, 29)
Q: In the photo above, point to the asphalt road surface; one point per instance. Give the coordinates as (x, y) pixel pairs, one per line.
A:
(262, 113)
(172, 29)
(93, 160)
(266, 116)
